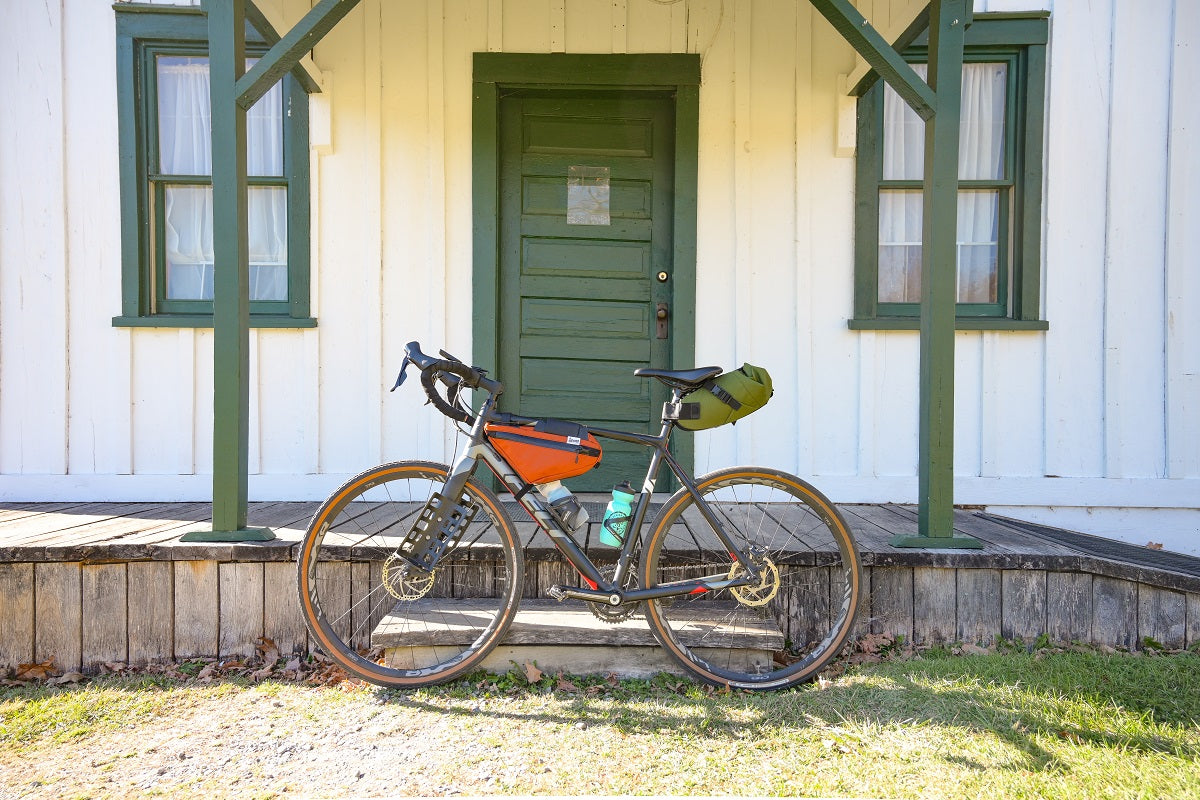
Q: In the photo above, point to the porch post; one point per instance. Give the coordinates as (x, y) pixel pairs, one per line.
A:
(939, 270)
(231, 282)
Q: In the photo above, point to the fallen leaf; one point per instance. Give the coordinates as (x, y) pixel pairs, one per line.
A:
(206, 673)
(564, 685)
(823, 682)
(532, 673)
(70, 677)
(36, 672)
(975, 650)
(259, 674)
(267, 650)
(1154, 545)
(876, 642)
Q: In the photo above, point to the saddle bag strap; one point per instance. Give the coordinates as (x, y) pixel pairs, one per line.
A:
(722, 395)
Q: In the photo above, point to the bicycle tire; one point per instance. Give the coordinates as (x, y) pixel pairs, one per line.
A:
(391, 625)
(810, 589)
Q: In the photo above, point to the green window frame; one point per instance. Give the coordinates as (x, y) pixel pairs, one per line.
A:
(1019, 43)
(144, 34)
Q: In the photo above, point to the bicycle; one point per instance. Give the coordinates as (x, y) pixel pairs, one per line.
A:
(410, 573)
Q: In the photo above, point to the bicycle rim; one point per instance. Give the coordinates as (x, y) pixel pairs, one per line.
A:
(788, 625)
(380, 619)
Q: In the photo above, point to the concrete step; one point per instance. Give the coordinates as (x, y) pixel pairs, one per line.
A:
(567, 637)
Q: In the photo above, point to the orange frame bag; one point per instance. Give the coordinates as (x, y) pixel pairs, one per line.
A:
(546, 451)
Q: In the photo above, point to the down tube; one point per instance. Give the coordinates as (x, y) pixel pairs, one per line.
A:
(563, 541)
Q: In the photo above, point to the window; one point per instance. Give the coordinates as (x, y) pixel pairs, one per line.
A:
(999, 198)
(166, 179)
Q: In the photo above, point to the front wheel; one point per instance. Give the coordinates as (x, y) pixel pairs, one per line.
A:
(783, 628)
(377, 615)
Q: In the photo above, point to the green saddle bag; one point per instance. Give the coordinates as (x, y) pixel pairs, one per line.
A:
(726, 398)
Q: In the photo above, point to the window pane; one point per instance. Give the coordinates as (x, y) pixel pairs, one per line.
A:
(981, 137)
(184, 121)
(189, 236)
(900, 214)
(900, 246)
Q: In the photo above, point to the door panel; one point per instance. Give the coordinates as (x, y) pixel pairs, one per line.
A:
(577, 306)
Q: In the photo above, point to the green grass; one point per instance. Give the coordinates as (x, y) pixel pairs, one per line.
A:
(1010, 724)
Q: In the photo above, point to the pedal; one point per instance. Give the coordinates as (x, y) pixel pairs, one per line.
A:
(557, 592)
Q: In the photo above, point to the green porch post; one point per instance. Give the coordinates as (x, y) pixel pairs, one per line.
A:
(938, 103)
(231, 283)
(939, 269)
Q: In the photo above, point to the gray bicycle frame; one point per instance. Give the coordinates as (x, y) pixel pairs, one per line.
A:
(603, 590)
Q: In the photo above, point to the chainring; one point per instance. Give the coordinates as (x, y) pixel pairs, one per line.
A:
(764, 592)
(614, 615)
(403, 581)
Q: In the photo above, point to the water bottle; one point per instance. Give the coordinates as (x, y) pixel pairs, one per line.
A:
(564, 505)
(617, 515)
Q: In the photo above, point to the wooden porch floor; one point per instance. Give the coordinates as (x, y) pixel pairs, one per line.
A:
(94, 582)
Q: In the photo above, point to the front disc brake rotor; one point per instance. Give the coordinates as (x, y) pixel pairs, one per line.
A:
(403, 581)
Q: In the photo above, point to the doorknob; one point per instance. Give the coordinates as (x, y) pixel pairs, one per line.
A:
(661, 313)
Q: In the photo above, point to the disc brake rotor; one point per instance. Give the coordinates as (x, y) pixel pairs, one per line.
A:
(764, 591)
(403, 581)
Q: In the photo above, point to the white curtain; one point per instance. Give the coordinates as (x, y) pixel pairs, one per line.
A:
(185, 148)
(981, 157)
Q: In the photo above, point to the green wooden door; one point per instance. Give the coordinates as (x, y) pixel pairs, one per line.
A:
(586, 193)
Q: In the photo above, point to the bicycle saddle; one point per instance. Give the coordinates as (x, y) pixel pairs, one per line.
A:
(680, 378)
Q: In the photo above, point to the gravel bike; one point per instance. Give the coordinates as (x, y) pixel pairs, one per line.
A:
(411, 573)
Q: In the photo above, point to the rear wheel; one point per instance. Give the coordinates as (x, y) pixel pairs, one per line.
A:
(382, 618)
(786, 626)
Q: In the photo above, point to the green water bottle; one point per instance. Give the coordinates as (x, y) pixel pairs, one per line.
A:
(617, 516)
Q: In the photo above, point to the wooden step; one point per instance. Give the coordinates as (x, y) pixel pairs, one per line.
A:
(567, 637)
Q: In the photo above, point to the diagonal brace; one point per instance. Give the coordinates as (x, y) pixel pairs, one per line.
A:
(286, 53)
(880, 54)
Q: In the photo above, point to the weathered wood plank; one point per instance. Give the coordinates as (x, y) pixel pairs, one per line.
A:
(362, 601)
(1024, 600)
(1193, 620)
(16, 614)
(151, 611)
(1162, 616)
(978, 615)
(197, 593)
(934, 596)
(1114, 611)
(892, 601)
(1069, 606)
(282, 621)
(333, 589)
(57, 615)
(105, 621)
(241, 617)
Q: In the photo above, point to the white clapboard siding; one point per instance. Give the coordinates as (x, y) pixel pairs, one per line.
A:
(1103, 409)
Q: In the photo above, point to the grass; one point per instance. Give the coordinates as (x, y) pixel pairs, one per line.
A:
(1008, 724)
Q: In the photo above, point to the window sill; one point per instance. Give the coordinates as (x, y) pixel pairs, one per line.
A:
(206, 321)
(960, 324)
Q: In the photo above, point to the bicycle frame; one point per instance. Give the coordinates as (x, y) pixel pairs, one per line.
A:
(600, 589)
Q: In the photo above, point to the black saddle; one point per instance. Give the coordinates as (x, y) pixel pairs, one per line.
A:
(680, 378)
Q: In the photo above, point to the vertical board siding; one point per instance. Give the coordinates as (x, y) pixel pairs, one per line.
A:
(1111, 392)
(33, 223)
(1133, 324)
(105, 600)
(1183, 245)
(1077, 147)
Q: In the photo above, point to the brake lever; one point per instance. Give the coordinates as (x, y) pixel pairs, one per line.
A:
(449, 357)
(403, 374)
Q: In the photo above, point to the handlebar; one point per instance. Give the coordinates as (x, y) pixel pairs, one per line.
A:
(453, 373)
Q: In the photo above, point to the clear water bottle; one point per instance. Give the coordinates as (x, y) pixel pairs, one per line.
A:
(618, 515)
(564, 505)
